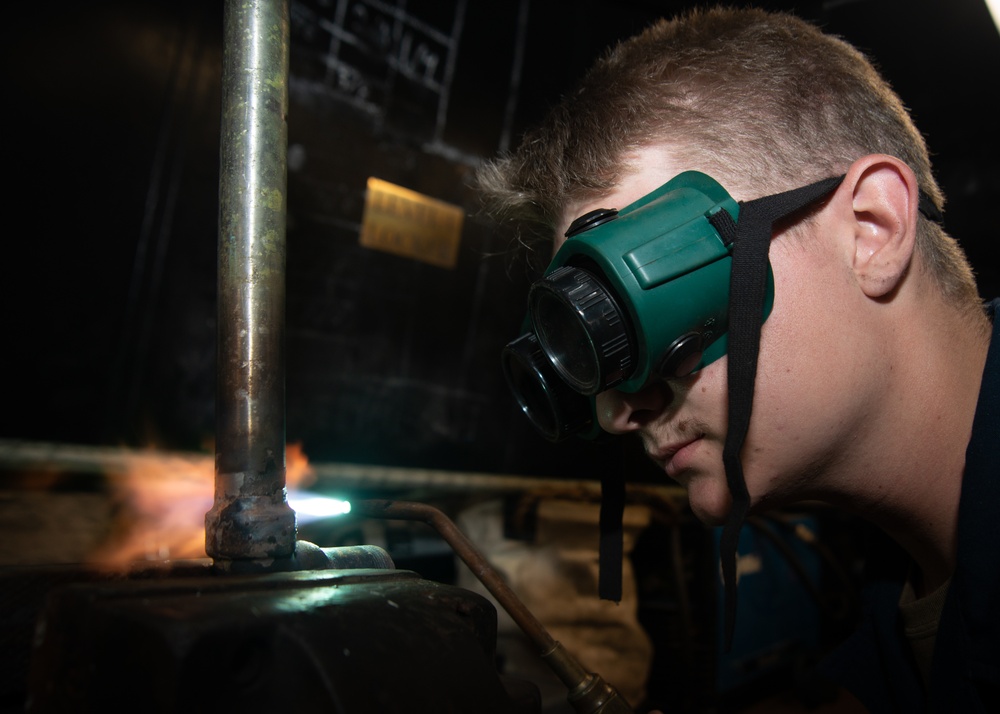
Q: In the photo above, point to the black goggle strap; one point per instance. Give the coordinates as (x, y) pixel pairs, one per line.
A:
(751, 239)
(611, 548)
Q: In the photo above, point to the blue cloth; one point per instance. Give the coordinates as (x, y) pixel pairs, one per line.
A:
(876, 663)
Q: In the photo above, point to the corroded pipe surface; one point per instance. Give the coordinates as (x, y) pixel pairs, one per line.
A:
(251, 518)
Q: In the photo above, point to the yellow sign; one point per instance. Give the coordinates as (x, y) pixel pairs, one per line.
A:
(397, 220)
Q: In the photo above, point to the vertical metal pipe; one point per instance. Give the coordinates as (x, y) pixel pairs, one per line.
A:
(251, 519)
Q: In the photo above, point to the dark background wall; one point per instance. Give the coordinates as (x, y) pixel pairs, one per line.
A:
(111, 156)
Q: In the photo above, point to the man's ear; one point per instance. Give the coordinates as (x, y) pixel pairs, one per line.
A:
(884, 198)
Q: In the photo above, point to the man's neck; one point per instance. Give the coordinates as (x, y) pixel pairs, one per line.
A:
(935, 366)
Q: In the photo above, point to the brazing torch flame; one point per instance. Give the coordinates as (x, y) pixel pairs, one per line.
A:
(163, 501)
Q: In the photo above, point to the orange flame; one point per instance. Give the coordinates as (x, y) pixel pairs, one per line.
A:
(163, 501)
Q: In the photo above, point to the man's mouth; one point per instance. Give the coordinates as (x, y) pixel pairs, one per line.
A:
(676, 456)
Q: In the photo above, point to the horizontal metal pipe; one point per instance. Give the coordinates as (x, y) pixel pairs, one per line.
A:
(110, 459)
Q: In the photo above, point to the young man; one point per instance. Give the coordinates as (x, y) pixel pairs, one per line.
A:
(875, 387)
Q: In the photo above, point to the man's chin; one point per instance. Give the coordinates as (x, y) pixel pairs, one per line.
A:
(709, 519)
(709, 505)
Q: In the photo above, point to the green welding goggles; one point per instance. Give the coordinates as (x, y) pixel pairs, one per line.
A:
(633, 294)
(658, 289)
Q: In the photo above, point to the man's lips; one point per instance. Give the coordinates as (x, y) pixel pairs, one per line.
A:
(677, 456)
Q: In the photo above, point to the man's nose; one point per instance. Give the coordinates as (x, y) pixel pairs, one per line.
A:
(624, 412)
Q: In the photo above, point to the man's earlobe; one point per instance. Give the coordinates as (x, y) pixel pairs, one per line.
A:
(884, 198)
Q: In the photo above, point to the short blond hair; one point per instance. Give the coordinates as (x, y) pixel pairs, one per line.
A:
(764, 101)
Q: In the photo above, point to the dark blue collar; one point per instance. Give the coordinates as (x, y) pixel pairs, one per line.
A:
(966, 648)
